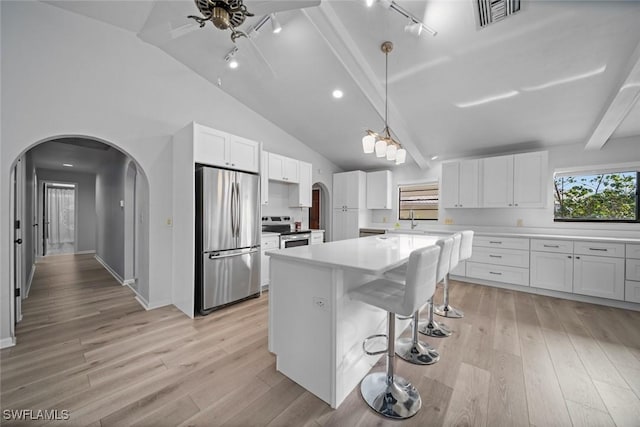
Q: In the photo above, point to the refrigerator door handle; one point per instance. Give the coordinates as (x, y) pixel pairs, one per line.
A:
(233, 210)
(238, 209)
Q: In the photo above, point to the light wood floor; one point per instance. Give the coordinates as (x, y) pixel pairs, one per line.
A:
(85, 345)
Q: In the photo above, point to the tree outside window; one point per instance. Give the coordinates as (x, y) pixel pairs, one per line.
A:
(597, 197)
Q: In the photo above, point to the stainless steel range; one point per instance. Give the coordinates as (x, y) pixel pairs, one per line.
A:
(284, 225)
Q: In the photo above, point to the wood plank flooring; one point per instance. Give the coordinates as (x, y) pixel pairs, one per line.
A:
(85, 345)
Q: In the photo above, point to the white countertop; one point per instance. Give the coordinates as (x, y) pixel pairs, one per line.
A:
(526, 235)
(371, 255)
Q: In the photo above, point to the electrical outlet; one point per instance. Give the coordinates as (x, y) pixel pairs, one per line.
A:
(321, 303)
(169, 222)
(448, 221)
(519, 222)
(384, 219)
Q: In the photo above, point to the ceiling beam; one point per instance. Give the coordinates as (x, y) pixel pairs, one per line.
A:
(623, 100)
(329, 26)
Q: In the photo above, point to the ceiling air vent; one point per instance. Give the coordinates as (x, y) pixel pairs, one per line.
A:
(490, 11)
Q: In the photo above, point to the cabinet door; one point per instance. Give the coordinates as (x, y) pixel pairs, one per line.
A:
(210, 147)
(599, 276)
(468, 184)
(300, 194)
(379, 190)
(355, 190)
(264, 180)
(552, 271)
(339, 190)
(276, 167)
(497, 182)
(530, 180)
(290, 169)
(338, 224)
(264, 269)
(244, 154)
(449, 185)
(352, 224)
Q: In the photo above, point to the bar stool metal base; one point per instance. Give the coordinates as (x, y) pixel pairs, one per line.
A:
(434, 329)
(399, 400)
(448, 311)
(418, 353)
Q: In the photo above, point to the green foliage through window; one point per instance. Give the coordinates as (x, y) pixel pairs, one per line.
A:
(596, 197)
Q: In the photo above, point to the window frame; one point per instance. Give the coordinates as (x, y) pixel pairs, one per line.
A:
(417, 184)
(603, 171)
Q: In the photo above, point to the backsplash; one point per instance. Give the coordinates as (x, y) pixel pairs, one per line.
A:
(279, 204)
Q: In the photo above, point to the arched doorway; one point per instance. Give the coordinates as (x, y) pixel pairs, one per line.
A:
(320, 210)
(111, 184)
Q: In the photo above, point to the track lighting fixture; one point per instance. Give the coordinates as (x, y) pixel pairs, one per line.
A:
(415, 25)
(230, 58)
(275, 25)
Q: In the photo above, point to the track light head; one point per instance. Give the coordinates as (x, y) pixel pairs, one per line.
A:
(275, 25)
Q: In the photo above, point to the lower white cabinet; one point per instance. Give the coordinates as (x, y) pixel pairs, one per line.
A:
(317, 237)
(268, 242)
(552, 271)
(599, 276)
(346, 223)
(498, 273)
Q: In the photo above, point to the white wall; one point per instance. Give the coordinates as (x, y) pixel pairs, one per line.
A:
(110, 215)
(560, 157)
(64, 74)
(86, 220)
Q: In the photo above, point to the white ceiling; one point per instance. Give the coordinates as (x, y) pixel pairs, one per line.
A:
(561, 63)
(85, 155)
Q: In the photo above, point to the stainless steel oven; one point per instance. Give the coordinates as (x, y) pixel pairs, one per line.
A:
(294, 239)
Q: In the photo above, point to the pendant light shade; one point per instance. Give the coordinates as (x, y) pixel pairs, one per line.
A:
(401, 156)
(391, 152)
(381, 148)
(368, 144)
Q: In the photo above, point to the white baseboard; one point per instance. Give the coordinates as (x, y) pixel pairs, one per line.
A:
(109, 269)
(92, 251)
(129, 282)
(142, 300)
(7, 342)
(30, 281)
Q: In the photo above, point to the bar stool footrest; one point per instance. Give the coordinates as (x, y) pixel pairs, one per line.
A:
(377, 352)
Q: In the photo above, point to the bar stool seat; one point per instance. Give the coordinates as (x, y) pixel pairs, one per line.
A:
(386, 393)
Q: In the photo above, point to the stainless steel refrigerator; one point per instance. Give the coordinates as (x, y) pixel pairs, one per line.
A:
(227, 237)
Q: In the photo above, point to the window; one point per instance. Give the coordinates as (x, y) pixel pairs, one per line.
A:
(593, 196)
(422, 199)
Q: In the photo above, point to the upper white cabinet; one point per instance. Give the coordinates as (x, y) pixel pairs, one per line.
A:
(217, 148)
(349, 190)
(459, 187)
(379, 190)
(514, 181)
(300, 195)
(283, 168)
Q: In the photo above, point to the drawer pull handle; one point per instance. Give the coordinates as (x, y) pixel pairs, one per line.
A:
(494, 242)
(495, 256)
(551, 246)
(493, 272)
(598, 249)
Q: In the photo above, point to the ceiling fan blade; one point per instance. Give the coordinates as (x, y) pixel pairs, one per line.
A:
(266, 7)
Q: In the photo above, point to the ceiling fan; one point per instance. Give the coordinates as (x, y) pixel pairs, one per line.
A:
(230, 14)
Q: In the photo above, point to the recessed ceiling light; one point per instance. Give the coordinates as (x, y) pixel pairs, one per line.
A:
(68, 165)
(337, 94)
(369, 3)
(434, 157)
(233, 64)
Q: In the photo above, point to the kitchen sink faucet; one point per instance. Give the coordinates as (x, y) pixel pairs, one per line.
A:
(413, 222)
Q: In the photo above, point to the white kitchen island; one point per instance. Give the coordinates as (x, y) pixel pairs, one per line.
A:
(315, 330)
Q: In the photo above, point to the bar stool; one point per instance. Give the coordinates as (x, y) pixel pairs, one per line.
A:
(465, 244)
(432, 328)
(386, 393)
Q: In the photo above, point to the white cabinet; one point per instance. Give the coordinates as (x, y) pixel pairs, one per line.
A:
(632, 284)
(500, 259)
(216, 148)
(264, 180)
(599, 276)
(300, 194)
(346, 223)
(268, 242)
(379, 190)
(552, 270)
(459, 184)
(283, 168)
(317, 237)
(514, 181)
(349, 190)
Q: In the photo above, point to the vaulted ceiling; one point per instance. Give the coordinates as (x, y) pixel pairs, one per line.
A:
(556, 72)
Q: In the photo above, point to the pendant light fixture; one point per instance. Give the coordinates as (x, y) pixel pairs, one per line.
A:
(383, 143)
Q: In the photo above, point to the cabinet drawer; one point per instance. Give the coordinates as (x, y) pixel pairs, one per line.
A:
(615, 250)
(501, 242)
(510, 257)
(317, 238)
(633, 269)
(271, 242)
(460, 269)
(548, 245)
(632, 291)
(633, 251)
(498, 273)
